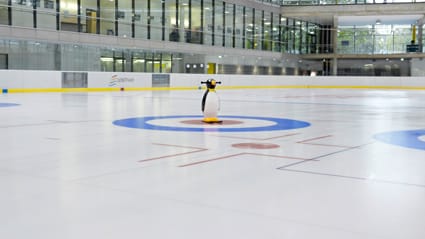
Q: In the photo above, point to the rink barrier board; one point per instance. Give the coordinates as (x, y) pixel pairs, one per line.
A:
(114, 89)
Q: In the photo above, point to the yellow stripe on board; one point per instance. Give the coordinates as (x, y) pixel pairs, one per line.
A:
(65, 90)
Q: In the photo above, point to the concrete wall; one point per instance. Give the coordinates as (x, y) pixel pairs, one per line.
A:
(48, 80)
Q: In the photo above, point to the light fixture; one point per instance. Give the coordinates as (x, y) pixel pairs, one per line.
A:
(378, 22)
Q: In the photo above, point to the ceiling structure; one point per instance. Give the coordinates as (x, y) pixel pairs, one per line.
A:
(383, 19)
(349, 15)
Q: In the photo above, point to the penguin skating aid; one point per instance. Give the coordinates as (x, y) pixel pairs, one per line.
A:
(210, 102)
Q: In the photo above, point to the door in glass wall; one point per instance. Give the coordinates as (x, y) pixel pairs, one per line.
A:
(69, 15)
(46, 14)
(89, 18)
(4, 12)
(125, 17)
(22, 13)
(141, 19)
(107, 17)
(90, 23)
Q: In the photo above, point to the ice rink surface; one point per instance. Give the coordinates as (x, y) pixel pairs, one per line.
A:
(285, 164)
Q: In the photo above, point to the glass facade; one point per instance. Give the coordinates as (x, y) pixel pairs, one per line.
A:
(207, 22)
(214, 23)
(374, 39)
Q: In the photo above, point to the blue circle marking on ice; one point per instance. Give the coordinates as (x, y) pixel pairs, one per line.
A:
(407, 138)
(8, 104)
(278, 124)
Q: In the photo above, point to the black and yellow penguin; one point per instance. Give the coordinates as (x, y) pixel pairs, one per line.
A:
(210, 102)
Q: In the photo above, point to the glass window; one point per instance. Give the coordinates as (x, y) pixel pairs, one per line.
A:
(196, 22)
(229, 28)
(155, 19)
(22, 13)
(284, 34)
(258, 30)
(172, 29)
(139, 62)
(80, 58)
(312, 33)
(208, 29)
(239, 27)
(141, 19)
(249, 28)
(184, 21)
(275, 37)
(219, 28)
(150, 61)
(364, 39)
(166, 63)
(119, 61)
(113, 60)
(157, 63)
(68, 15)
(46, 14)
(107, 60)
(291, 36)
(26, 55)
(383, 39)
(125, 18)
(303, 37)
(297, 37)
(4, 12)
(107, 17)
(267, 31)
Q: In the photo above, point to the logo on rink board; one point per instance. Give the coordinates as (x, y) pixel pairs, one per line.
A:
(115, 79)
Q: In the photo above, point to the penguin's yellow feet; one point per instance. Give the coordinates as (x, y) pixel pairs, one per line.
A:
(212, 121)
